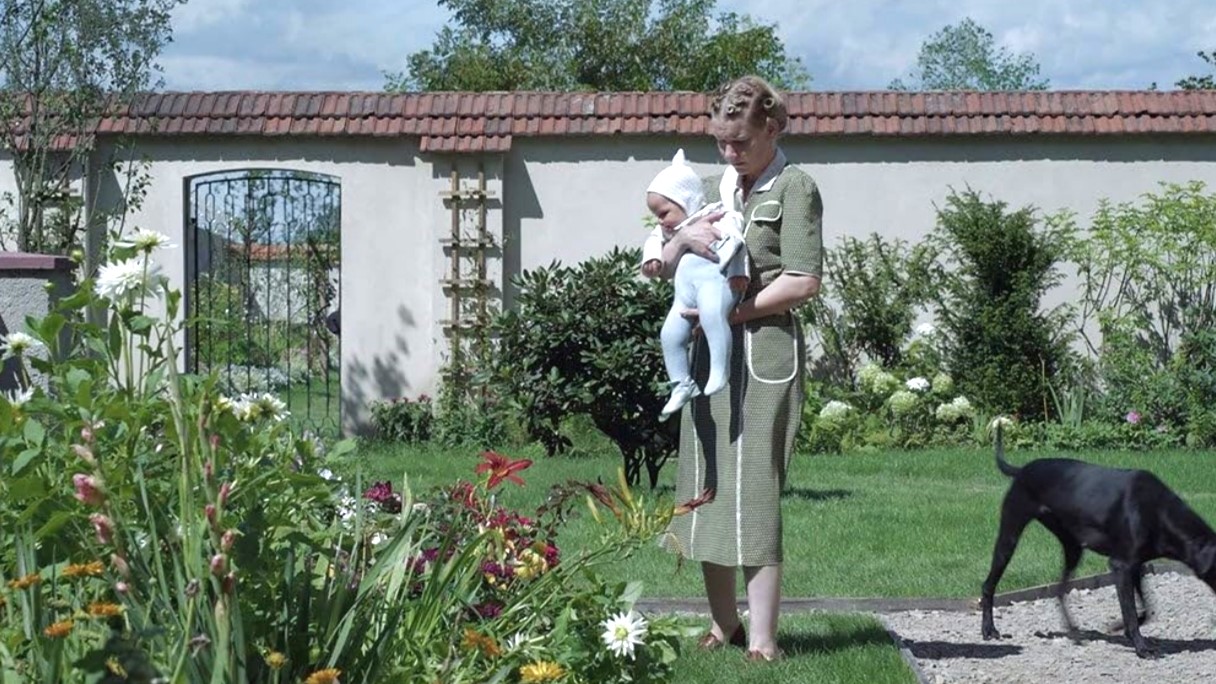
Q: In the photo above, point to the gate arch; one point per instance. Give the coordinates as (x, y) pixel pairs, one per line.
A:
(263, 264)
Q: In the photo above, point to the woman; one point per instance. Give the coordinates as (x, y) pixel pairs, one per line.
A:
(738, 442)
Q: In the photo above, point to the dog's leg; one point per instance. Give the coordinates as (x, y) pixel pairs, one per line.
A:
(1072, 557)
(1137, 571)
(1016, 512)
(1125, 587)
(1138, 576)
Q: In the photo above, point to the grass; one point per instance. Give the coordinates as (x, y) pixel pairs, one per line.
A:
(826, 649)
(894, 524)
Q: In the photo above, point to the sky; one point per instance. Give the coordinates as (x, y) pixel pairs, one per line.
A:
(845, 44)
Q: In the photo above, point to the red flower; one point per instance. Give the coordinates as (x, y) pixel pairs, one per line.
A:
(501, 468)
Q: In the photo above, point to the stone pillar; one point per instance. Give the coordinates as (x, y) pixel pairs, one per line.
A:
(30, 285)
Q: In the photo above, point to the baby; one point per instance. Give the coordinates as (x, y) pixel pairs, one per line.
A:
(712, 288)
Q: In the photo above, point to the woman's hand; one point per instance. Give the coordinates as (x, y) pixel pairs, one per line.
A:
(697, 237)
(652, 268)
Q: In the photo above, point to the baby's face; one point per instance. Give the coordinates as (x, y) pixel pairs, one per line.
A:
(667, 212)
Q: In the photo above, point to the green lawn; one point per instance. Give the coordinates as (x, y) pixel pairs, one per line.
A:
(895, 524)
(825, 649)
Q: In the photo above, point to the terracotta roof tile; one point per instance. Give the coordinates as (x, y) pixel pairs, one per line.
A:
(487, 122)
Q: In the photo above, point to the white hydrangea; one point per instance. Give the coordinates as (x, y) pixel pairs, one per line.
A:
(956, 410)
(874, 380)
(917, 384)
(943, 384)
(902, 402)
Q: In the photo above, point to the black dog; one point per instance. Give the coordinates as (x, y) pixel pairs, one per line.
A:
(1129, 516)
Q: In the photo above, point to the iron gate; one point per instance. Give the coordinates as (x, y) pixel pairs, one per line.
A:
(263, 262)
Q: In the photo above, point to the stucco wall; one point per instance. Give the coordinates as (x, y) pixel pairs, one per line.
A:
(571, 198)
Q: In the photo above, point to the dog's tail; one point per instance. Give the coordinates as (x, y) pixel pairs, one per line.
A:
(1001, 463)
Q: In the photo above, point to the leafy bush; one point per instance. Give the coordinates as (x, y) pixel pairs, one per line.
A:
(1147, 271)
(993, 268)
(873, 292)
(403, 419)
(585, 340)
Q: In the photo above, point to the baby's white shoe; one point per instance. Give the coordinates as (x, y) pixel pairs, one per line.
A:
(681, 394)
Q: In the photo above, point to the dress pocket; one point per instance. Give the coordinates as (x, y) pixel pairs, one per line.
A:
(772, 352)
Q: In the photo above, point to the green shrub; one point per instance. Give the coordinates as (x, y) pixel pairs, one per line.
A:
(993, 268)
(584, 340)
(403, 419)
(1146, 273)
(873, 292)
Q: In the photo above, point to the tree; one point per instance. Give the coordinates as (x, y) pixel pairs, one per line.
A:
(603, 45)
(1204, 82)
(965, 56)
(62, 64)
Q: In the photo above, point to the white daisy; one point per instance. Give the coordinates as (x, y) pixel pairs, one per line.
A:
(146, 241)
(115, 280)
(271, 406)
(623, 632)
(18, 344)
(18, 398)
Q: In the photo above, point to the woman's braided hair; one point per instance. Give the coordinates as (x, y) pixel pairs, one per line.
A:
(752, 99)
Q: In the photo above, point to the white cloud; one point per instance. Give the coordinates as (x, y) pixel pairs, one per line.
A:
(864, 44)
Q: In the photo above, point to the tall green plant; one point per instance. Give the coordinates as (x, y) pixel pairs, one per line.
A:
(993, 269)
(874, 290)
(1148, 288)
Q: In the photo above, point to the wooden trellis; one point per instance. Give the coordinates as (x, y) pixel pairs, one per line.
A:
(467, 285)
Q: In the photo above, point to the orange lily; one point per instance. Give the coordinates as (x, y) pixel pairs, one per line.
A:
(501, 468)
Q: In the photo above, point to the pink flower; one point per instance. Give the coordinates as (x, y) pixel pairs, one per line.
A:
(1133, 417)
(227, 540)
(120, 565)
(382, 493)
(104, 527)
(84, 453)
(219, 564)
(88, 490)
(225, 490)
(209, 512)
(121, 587)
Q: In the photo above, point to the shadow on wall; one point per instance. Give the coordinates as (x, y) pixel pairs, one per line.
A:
(523, 204)
(367, 379)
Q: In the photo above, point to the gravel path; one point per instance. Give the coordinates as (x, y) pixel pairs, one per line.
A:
(948, 648)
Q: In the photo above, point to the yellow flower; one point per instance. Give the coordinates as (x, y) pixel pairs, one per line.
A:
(530, 564)
(326, 676)
(59, 630)
(100, 609)
(25, 582)
(276, 660)
(116, 667)
(90, 569)
(543, 671)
